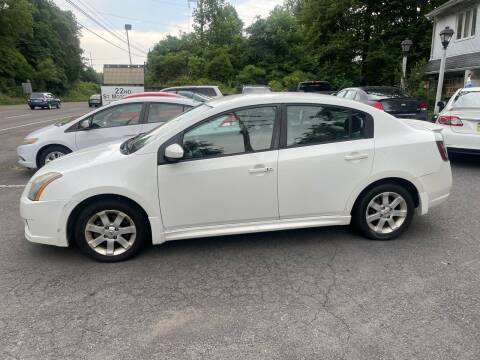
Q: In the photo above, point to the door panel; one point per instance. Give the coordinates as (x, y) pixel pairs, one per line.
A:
(329, 151)
(222, 190)
(113, 124)
(318, 180)
(228, 173)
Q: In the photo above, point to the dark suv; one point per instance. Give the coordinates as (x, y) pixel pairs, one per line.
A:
(43, 100)
(319, 87)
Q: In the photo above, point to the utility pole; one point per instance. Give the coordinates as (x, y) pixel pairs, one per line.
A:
(127, 28)
(91, 60)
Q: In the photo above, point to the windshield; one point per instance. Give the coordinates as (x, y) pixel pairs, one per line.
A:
(37, 96)
(467, 99)
(64, 121)
(139, 141)
(256, 90)
(382, 92)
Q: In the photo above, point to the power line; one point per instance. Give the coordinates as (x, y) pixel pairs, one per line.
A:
(108, 23)
(106, 40)
(99, 23)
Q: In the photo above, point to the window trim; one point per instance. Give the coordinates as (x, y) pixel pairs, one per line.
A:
(369, 125)
(178, 138)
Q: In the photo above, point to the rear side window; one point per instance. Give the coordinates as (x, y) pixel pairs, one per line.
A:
(310, 125)
(163, 112)
(350, 94)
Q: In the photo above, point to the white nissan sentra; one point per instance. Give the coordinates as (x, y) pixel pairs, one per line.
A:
(242, 164)
(114, 122)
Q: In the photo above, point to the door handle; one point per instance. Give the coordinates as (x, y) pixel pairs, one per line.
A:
(260, 170)
(356, 156)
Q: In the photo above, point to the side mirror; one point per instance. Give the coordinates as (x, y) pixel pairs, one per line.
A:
(174, 152)
(84, 124)
(441, 105)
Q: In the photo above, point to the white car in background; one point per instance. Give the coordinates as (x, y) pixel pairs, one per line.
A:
(118, 121)
(211, 91)
(242, 164)
(460, 120)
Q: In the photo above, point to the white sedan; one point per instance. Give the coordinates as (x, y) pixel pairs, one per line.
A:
(242, 164)
(460, 120)
(118, 121)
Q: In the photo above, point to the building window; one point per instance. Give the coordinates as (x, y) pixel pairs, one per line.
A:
(466, 23)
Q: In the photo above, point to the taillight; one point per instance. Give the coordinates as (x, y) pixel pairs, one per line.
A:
(442, 150)
(423, 105)
(378, 105)
(451, 120)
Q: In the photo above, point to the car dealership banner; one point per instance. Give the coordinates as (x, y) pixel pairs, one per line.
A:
(114, 93)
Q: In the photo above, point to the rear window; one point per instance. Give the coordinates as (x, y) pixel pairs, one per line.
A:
(315, 87)
(375, 93)
(467, 99)
(37, 96)
(205, 91)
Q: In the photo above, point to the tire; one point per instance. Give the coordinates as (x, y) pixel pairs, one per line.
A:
(97, 222)
(386, 222)
(32, 107)
(51, 153)
(58, 105)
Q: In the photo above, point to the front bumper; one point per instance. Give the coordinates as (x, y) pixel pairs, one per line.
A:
(27, 155)
(46, 221)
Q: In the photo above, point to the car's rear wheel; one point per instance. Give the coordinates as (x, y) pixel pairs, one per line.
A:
(58, 105)
(51, 153)
(384, 212)
(110, 230)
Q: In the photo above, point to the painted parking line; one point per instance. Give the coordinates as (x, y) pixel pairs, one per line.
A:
(11, 186)
(15, 116)
(36, 122)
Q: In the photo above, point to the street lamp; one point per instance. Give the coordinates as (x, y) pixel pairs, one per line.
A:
(406, 45)
(127, 28)
(445, 36)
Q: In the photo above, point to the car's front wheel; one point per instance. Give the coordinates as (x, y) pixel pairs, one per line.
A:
(384, 212)
(51, 153)
(58, 105)
(32, 107)
(110, 230)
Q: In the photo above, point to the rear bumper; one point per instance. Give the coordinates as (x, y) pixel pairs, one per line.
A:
(46, 221)
(417, 116)
(40, 104)
(461, 143)
(436, 188)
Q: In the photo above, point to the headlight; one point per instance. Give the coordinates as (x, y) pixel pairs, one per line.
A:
(40, 183)
(30, 141)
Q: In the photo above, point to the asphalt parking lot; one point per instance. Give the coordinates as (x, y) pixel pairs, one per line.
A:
(304, 294)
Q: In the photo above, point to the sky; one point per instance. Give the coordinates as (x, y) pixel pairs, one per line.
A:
(151, 21)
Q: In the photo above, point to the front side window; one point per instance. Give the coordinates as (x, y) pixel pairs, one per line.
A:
(236, 132)
(121, 115)
(163, 112)
(310, 125)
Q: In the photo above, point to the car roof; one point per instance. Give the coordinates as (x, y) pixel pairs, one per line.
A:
(167, 99)
(190, 87)
(151, 93)
(243, 100)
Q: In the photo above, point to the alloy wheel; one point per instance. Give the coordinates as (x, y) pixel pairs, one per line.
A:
(53, 156)
(386, 212)
(110, 232)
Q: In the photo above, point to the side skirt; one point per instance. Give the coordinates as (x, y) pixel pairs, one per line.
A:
(253, 227)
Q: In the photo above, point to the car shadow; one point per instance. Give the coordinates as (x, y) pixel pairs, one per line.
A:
(464, 159)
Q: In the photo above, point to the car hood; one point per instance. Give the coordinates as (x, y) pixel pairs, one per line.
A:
(42, 131)
(88, 157)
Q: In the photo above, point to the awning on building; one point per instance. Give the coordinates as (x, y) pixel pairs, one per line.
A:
(455, 63)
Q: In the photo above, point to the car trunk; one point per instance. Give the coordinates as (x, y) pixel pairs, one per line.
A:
(470, 119)
(401, 106)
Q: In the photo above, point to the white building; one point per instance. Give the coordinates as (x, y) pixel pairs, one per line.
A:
(463, 52)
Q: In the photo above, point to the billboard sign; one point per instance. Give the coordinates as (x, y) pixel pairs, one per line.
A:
(114, 93)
